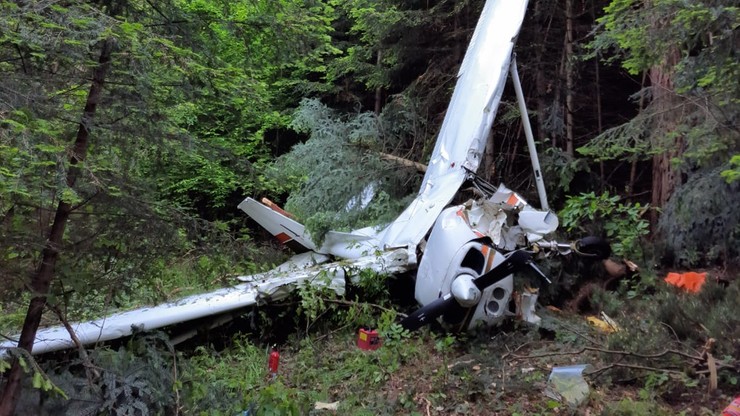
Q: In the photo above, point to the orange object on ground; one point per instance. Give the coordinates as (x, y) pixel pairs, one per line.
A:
(733, 409)
(689, 281)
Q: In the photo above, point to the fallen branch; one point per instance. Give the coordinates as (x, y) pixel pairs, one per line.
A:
(420, 167)
(595, 373)
(615, 352)
(374, 305)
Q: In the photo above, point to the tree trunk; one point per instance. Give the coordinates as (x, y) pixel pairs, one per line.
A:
(569, 57)
(597, 93)
(41, 280)
(634, 157)
(666, 176)
(542, 84)
(379, 89)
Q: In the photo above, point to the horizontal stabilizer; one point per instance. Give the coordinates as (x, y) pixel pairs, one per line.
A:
(349, 245)
(277, 223)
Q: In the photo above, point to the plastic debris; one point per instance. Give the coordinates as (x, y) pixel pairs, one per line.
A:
(528, 302)
(689, 281)
(604, 323)
(567, 385)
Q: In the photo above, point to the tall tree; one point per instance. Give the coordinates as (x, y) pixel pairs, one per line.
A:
(42, 279)
(688, 51)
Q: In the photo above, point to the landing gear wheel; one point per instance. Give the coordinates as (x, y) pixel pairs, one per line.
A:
(594, 247)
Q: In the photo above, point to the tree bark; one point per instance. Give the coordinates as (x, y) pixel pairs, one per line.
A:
(599, 115)
(666, 176)
(42, 279)
(569, 56)
(379, 89)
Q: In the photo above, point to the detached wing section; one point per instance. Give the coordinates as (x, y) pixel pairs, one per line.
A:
(464, 131)
(259, 288)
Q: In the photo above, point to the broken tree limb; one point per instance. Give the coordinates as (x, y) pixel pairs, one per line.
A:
(615, 352)
(376, 306)
(420, 167)
(91, 371)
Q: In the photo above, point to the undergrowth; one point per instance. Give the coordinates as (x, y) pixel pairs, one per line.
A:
(645, 368)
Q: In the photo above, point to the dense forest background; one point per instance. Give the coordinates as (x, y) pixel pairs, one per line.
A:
(131, 129)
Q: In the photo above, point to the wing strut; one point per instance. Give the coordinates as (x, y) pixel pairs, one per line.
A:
(528, 132)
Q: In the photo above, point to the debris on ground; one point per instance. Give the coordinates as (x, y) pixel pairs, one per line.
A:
(326, 406)
(604, 323)
(733, 409)
(689, 281)
(567, 385)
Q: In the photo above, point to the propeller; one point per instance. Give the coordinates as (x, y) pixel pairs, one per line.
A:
(447, 305)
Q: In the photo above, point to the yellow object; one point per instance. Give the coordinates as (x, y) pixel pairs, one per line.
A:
(601, 325)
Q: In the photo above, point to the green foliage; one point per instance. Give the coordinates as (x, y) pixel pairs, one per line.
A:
(699, 224)
(223, 382)
(623, 224)
(365, 297)
(671, 319)
(336, 168)
(733, 173)
(373, 58)
(629, 407)
(40, 380)
(138, 379)
(693, 44)
(627, 141)
(558, 164)
(276, 399)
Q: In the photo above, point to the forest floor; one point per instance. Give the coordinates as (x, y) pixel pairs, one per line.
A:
(669, 349)
(659, 362)
(501, 372)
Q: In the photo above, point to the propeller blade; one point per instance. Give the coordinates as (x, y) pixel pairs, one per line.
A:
(430, 312)
(448, 305)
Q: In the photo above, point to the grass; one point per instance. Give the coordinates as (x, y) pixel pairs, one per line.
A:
(495, 371)
(480, 375)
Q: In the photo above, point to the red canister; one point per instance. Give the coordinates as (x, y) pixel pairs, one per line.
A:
(368, 339)
(273, 362)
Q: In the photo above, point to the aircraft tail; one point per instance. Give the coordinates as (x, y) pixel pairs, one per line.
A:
(278, 223)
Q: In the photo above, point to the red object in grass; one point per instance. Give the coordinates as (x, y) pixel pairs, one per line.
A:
(274, 362)
(733, 409)
(368, 339)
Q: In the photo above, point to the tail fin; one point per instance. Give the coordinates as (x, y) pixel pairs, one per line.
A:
(278, 223)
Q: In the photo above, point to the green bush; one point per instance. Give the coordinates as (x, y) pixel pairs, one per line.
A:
(604, 215)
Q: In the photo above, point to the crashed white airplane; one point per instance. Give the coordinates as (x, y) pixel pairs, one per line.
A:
(465, 272)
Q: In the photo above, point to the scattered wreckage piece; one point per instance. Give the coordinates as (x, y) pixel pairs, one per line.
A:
(256, 289)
